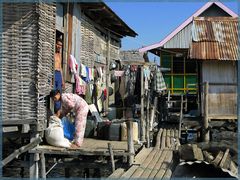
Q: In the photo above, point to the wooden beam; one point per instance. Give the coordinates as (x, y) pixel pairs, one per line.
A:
(21, 150)
(18, 122)
(112, 156)
(88, 152)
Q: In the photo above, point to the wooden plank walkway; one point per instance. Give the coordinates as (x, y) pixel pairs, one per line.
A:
(89, 147)
(155, 162)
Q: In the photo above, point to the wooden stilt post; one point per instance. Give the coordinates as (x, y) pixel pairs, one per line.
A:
(112, 156)
(142, 107)
(43, 166)
(34, 173)
(180, 118)
(148, 122)
(206, 134)
(107, 72)
(130, 141)
(34, 158)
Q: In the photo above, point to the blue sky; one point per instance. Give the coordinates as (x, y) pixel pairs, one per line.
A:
(155, 20)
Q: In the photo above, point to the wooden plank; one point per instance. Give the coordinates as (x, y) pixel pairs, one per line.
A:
(117, 174)
(129, 172)
(142, 155)
(197, 152)
(208, 156)
(158, 138)
(158, 164)
(111, 156)
(168, 141)
(163, 139)
(151, 166)
(234, 168)
(226, 154)
(168, 174)
(144, 165)
(172, 137)
(218, 158)
(222, 117)
(166, 163)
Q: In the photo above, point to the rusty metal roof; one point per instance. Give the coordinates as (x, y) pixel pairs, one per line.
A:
(214, 38)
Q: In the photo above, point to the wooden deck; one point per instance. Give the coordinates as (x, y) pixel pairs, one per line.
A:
(90, 147)
(157, 162)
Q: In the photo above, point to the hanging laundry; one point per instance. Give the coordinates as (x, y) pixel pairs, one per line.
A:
(118, 73)
(93, 73)
(80, 88)
(159, 83)
(134, 68)
(73, 64)
(86, 78)
(146, 72)
(83, 71)
(137, 91)
(100, 71)
(91, 78)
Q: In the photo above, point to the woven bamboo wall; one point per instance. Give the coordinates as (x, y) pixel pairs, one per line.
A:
(87, 43)
(94, 44)
(28, 40)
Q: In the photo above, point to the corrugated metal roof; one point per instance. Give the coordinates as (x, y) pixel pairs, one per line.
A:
(185, 23)
(214, 38)
(182, 39)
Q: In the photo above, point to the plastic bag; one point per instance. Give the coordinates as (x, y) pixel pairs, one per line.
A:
(68, 129)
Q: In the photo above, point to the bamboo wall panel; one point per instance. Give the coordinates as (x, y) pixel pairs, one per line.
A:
(27, 55)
